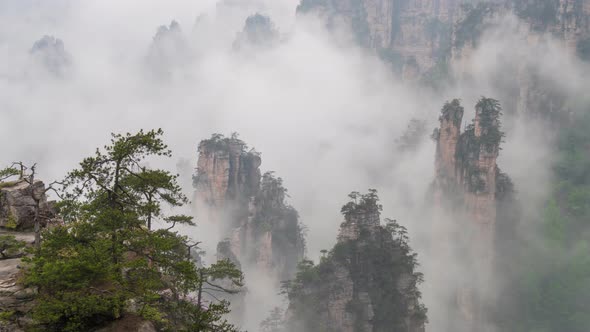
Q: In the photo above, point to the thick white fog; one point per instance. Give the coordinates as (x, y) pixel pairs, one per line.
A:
(324, 113)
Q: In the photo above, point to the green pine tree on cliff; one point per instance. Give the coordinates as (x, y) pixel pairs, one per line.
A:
(107, 261)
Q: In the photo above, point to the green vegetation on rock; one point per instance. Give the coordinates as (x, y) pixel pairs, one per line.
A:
(107, 262)
(374, 261)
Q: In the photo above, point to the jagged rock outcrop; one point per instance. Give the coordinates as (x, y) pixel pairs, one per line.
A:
(259, 32)
(367, 282)
(16, 301)
(257, 226)
(433, 40)
(569, 20)
(468, 187)
(168, 51)
(19, 201)
(227, 179)
(413, 35)
(532, 90)
(49, 53)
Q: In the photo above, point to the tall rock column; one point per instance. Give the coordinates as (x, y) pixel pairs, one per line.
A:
(479, 172)
(257, 225)
(464, 193)
(367, 282)
(227, 178)
(447, 137)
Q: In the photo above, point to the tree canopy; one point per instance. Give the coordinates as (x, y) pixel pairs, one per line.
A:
(108, 261)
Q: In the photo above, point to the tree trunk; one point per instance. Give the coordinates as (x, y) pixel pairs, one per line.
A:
(37, 227)
(37, 221)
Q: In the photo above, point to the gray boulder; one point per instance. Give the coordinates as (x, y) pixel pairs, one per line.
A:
(18, 202)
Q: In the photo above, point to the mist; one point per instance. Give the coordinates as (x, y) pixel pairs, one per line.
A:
(324, 113)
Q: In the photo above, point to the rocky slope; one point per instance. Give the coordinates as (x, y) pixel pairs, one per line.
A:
(258, 226)
(366, 282)
(467, 190)
(20, 202)
(15, 300)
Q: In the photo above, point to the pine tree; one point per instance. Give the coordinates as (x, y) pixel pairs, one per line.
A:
(108, 261)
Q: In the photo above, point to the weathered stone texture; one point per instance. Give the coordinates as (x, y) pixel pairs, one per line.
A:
(228, 193)
(18, 202)
(465, 188)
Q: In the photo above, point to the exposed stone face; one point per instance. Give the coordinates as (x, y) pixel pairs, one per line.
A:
(257, 226)
(14, 297)
(447, 138)
(227, 177)
(18, 202)
(340, 293)
(411, 34)
(365, 283)
(567, 21)
(259, 32)
(417, 35)
(465, 187)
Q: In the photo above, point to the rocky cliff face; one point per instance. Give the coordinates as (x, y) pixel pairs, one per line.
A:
(529, 89)
(366, 282)
(16, 301)
(227, 179)
(569, 20)
(419, 33)
(468, 186)
(424, 38)
(258, 226)
(19, 201)
(413, 35)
